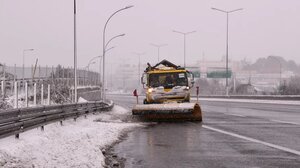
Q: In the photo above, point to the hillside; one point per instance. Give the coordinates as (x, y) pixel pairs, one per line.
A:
(273, 64)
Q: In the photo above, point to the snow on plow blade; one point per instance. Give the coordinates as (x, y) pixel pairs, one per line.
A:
(170, 112)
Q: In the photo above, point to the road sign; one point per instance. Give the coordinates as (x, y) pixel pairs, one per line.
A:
(219, 73)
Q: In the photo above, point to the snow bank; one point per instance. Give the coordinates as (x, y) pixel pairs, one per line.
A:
(75, 144)
(82, 100)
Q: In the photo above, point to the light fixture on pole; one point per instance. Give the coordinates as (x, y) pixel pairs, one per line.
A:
(158, 48)
(105, 45)
(94, 59)
(89, 64)
(99, 63)
(227, 15)
(184, 44)
(120, 35)
(88, 69)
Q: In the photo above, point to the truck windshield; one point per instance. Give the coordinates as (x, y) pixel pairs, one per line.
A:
(168, 80)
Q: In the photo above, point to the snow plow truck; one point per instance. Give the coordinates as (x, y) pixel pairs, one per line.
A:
(167, 88)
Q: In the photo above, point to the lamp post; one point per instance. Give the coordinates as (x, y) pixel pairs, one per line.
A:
(100, 56)
(105, 45)
(227, 22)
(139, 67)
(184, 44)
(75, 55)
(100, 63)
(158, 48)
(23, 65)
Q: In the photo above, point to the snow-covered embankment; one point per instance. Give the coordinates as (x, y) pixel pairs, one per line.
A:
(75, 144)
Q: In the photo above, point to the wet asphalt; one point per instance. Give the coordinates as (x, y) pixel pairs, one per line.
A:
(231, 135)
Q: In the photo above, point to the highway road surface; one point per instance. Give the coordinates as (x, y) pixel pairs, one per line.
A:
(232, 134)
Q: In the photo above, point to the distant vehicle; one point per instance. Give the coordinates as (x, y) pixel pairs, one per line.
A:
(167, 94)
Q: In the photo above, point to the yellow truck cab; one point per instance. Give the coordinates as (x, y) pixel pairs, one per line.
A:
(166, 82)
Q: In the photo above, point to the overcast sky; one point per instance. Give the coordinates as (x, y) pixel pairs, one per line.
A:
(262, 28)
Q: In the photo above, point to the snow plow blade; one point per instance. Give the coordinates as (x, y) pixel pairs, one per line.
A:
(169, 112)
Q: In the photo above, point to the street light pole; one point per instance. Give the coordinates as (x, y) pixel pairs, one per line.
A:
(139, 68)
(227, 25)
(158, 48)
(104, 48)
(280, 70)
(100, 62)
(75, 55)
(184, 42)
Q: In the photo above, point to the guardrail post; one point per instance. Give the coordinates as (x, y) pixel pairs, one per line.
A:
(11, 87)
(34, 94)
(2, 89)
(72, 95)
(48, 103)
(42, 94)
(75, 116)
(16, 95)
(26, 94)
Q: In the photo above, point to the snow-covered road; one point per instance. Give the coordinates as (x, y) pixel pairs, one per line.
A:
(75, 144)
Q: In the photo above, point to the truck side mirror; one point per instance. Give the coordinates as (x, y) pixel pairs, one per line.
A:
(144, 80)
(191, 80)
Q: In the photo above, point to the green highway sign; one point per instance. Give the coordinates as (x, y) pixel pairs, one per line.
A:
(219, 74)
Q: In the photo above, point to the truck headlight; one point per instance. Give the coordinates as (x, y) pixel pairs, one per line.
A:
(186, 88)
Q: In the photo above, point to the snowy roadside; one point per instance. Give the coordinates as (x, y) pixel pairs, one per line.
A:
(284, 102)
(75, 144)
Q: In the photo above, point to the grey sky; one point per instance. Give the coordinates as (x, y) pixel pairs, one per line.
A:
(264, 27)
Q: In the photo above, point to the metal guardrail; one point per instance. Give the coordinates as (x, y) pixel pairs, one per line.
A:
(16, 121)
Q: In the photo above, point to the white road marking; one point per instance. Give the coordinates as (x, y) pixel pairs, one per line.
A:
(286, 122)
(253, 140)
(234, 114)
